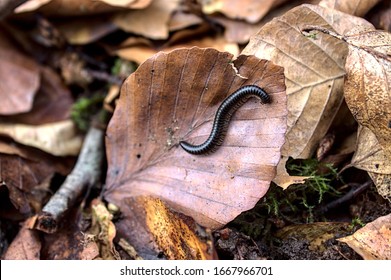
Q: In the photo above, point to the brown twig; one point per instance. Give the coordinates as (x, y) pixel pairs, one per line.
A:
(342, 200)
(86, 173)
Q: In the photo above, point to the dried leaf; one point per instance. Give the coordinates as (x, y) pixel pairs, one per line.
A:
(22, 177)
(153, 228)
(369, 156)
(20, 79)
(253, 12)
(151, 22)
(46, 107)
(368, 82)
(353, 7)
(86, 30)
(140, 51)
(104, 230)
(372, 241)
(60, 138)
(26, 245)
(314, 70)
(174, 96)
(79, 7)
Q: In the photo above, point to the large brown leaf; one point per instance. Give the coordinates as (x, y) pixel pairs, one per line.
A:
(314, 70)
(368, 82)
(174, 96)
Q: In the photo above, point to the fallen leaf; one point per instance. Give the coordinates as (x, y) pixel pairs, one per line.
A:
(27, 179)
(137, 51)
(368, 82)
(174, 96)
(249, 10)
(314, 71)
(26, 245)
(85, 30)
(79, 7)
(352, 7)
(369, 156)
(46, 108)
(59, 139)
(156, 232)
(151, 22)
(20, 78)
(372, 241)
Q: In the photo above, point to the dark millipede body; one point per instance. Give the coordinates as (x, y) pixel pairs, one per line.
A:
(223, 117)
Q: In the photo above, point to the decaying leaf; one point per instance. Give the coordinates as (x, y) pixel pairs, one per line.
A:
(22, 177)
(155, 231)
(60, 138)
(174, 96)
(314, 70)
(103, 230)
(368, 82)
(353, 7)
(20, 79)
(373, 241)
(151, 22)
(46, 107)
(26, 245)
(234, 8)
(369, 156)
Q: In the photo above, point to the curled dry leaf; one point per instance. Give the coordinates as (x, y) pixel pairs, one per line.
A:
(369, 156)
(20, 79)
(151, 22)
(373, 241)
(174, 96)
(314, 70)
(352, 7)
(249, 10)
(59, 139)
(368, 82)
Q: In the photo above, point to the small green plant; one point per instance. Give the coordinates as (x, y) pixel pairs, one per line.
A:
(316, 183)
(356, 223)
(83, 110)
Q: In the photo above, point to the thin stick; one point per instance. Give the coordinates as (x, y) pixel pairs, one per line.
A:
(86, 173)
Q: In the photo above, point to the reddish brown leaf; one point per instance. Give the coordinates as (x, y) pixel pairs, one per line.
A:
(46, 107)
(20, 78)
(173, 97)
(26, 245)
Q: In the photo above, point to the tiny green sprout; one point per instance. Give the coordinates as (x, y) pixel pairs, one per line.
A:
(356, 223)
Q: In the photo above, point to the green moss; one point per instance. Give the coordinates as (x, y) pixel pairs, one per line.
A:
(84, 109)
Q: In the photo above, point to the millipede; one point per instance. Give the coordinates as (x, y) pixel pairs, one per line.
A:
(223, 117)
